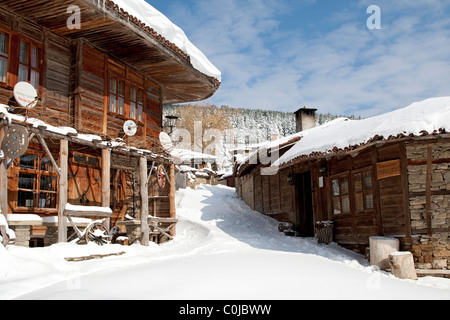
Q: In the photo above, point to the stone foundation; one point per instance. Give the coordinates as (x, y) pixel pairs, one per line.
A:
(431, 251)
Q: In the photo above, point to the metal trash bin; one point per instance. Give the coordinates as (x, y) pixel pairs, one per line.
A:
(325, 232)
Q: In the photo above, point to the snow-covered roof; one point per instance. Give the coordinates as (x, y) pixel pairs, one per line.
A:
(117, 145)
(174, 34)
(189, 155)
(285, 141)
(420, 118)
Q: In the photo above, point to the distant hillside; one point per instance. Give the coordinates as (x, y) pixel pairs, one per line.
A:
(252, 126)
(261, 124)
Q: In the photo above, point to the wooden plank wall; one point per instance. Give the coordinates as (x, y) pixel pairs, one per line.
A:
(55, 72)
(74, 85)
(153, 113)
(392, 192)
(159, 205)
(57, 80)
(91, 90)
(248, 193)
(270, 195)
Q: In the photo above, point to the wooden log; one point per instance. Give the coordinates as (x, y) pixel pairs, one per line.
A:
(106, 182)
(145, 240)
(380, 249)
(172, 206)
(4, 234)
(63, 189)
(402, 265)
(3, 181)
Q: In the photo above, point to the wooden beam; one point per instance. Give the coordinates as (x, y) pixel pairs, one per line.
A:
(78, 69)
(151, 171)
(49, 154)
(428, 188)
(3, 180)
(63, 190)
(106, 96)
(172, 208)
(106, 182)
(405, 190)
(145, 240)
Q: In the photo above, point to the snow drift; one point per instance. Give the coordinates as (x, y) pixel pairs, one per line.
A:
(223, 250)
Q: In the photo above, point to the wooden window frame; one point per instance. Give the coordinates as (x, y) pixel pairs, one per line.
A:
(116, 95)
(352, 192)
(88, 160)
(6, 55)
(137, 106)
(338, 177)
(32, 67)
(364, 189)
(39, 172)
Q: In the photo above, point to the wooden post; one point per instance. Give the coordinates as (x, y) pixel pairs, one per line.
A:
(77, 84)
(402, 265)
(4, 181)
(145, 241)
(106, 182)
(429, 213)
(173, 211)
(63, 190)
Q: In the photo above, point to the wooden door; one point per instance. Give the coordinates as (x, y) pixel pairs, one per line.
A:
(304, 205)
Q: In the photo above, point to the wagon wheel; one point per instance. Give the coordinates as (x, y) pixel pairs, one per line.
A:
(98, 234)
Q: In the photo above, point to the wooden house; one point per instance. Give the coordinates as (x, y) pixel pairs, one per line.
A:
(383, 176)
(94, 65)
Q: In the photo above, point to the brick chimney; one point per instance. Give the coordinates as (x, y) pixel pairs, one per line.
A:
(305, 118)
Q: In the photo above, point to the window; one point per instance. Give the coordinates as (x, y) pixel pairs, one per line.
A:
(363, 191)
(360, 199)
(341, 195)
(4, 52)
(117, 96)
(86, 159)
(37, 185)
(136, 104)
(29, 64)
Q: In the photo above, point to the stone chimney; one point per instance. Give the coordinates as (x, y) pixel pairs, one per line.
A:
(305, 118)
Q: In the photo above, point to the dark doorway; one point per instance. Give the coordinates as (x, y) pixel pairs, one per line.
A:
(304, 206)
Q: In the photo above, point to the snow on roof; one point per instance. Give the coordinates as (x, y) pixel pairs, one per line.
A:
(185, 154)
(161, 24)
(425, 117)
(118, 144)
(285, 141)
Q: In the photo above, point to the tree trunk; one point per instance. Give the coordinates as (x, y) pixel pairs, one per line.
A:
(380, 249)
(402, 265)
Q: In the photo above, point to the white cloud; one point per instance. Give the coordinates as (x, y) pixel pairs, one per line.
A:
(346, 70)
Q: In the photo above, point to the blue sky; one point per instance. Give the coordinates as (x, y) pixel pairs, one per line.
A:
(286, 54)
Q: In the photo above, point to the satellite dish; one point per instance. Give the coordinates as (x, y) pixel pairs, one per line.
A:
(25, 95)
(166, 142)
(130, 128)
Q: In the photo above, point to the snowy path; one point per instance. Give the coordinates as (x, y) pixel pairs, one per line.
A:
(223, 251)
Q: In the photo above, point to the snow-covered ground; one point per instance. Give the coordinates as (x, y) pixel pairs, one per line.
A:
(223, 251)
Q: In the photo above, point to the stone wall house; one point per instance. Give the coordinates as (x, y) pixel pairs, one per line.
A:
(383, 176)
(429, 203)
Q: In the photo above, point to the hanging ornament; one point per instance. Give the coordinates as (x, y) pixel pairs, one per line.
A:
(161, 177)
(15, 142)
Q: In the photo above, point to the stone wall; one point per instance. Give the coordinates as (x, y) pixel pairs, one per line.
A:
(431, 251)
